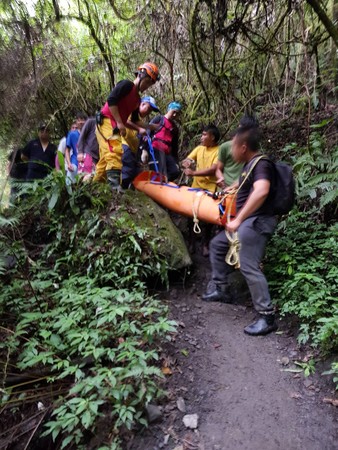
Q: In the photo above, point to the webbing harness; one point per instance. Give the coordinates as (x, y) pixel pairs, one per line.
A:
(115, 131)
(151, 150)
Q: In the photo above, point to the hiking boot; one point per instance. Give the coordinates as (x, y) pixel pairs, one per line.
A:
(264, 325)
(113, 178)
(220, 294)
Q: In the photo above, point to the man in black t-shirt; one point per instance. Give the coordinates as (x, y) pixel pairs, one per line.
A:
(255, 224)
(40, 155)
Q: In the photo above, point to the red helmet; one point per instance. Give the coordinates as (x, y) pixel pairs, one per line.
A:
(150, 69)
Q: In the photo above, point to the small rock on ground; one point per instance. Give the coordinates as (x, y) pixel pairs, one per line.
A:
(191, 421)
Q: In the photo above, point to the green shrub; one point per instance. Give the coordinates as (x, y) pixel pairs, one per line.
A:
(101, 340)
(303, 256)
(303, 274)
(76, 311)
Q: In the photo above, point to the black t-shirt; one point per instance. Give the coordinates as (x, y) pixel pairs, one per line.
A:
(121, 89)
(264, 170)
(40, 162)
(18, 168)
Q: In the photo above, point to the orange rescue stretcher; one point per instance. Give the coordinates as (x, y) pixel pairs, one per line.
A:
(197, 203)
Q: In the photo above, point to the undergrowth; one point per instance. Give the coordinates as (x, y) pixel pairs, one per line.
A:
(303, 276)
(302, 264)
(81, 338)
(76, 319)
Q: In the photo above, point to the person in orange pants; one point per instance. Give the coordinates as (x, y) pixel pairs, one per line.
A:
(121, 102)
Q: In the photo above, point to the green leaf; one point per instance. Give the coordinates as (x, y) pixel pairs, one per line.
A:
(86, 419)
(61, 160)
(67, 441)
(321, 124)
(54, 198)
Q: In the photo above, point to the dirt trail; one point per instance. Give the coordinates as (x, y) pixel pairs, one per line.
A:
(252, 404)
(237, 384)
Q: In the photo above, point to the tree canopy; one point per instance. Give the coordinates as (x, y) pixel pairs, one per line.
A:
(218, 57)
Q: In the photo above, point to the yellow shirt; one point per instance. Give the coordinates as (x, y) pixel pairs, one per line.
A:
(205, 157)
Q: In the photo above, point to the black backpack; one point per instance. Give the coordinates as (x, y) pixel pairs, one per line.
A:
(284, 196)
(284, 191)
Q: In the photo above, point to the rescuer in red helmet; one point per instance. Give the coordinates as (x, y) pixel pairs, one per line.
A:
(113, 120)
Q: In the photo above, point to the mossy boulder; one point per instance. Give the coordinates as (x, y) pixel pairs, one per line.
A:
(144, 212)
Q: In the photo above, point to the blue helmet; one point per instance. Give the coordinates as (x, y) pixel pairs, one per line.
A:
(175, 105)
(151, 102)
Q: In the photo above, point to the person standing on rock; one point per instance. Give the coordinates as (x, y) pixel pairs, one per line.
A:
(131, 141)
(113, 120)
(255, 223)
(62, 147)
(165, 142)
(88, 148)
(71, 154)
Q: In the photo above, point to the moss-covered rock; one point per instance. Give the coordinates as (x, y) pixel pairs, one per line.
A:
(143, 211)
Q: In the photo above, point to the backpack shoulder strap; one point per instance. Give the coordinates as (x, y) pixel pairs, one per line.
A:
(161, 123)
(256, 159)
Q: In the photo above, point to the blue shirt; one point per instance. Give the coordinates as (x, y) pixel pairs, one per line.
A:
(71, 143)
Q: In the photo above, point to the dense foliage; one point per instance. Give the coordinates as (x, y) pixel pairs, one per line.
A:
(76, 320)
(303, 256)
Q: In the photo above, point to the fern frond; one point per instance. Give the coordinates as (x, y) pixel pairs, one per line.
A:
(329, 197)
(8, 221)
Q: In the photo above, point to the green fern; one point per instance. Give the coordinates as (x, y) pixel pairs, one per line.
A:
(329, 197)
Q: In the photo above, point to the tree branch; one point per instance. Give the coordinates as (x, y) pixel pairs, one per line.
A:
(323, 17)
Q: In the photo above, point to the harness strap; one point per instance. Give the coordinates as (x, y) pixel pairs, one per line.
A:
(111, 149)
(151, 150)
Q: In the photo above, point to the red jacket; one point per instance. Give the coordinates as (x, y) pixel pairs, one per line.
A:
(126, 106)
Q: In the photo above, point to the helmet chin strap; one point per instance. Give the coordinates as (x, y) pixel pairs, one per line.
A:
(138, 83)
(140, 77)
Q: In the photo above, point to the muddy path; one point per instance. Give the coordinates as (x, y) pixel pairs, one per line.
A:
(246, 390)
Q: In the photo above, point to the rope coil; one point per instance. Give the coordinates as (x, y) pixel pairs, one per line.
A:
(232, 257)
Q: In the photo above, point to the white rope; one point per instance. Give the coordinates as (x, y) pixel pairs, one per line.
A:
(232, 257)
(198, 196)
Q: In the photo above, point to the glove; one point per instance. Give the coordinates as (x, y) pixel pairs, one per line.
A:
(144, 156)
